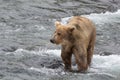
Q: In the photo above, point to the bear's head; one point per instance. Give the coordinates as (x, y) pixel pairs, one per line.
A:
(62, 33)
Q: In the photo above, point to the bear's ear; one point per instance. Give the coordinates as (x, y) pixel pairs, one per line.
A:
(57, 23)
(71, 29)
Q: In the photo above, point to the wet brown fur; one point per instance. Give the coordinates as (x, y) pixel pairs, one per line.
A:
(78, 38)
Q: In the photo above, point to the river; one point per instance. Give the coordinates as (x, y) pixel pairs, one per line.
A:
(27, 54)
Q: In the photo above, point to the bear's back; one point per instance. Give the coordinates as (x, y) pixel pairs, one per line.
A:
(84, 28)
(81, 23)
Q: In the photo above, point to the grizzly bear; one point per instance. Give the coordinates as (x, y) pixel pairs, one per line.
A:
(77, 37)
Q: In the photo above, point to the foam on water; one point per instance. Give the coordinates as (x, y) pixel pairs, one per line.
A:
(99, 63)
(101, 18)
(20, 52)
(54, 52)
(97, 59)
(107, 17)
(109, 62)
(47, 71)
(112, 61)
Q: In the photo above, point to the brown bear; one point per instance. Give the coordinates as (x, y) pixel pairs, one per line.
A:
(77, 37)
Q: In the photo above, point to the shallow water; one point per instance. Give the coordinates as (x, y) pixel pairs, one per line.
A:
(47, 65)
(27, 54)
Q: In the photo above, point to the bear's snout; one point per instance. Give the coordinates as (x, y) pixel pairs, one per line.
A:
(52, 41)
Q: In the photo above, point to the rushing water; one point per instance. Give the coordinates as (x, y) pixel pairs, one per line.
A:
(24, 64)
(19, 59)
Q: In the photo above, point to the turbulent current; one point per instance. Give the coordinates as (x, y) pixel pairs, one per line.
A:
(20, 61)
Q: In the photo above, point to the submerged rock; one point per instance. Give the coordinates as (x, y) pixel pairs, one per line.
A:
(10, 49)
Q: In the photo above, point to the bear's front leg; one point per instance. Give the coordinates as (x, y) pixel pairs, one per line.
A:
(81, 58)
(66, 55)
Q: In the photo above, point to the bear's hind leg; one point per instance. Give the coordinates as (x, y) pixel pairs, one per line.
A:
(90, 54)
(81, 60)
(90, 50)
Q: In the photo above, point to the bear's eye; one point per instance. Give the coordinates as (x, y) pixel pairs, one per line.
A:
(59, 34)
